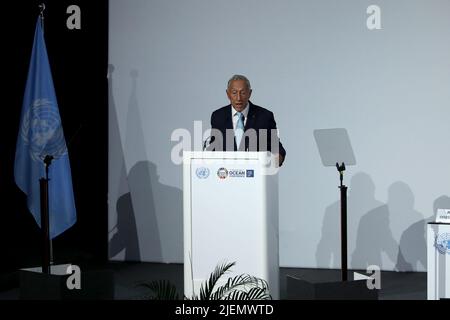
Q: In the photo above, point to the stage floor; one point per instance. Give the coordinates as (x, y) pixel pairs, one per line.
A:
(128, 276)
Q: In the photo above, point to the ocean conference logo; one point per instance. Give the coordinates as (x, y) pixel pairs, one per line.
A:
(236, 173)
(442, 243)
(222, 173)
(202, 172)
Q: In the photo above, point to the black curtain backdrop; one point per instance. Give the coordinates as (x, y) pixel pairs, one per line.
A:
(78, 59)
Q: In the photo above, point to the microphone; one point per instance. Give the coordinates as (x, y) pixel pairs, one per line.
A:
(206, 141)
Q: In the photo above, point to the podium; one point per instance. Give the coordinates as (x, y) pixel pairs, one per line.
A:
(230, 210)
(438, 261)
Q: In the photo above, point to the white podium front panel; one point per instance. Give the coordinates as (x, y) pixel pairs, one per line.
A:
(228, 211)
(231, 214)
(438, 261)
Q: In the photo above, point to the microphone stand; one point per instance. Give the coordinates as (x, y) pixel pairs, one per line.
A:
(343, 189)
(45, 225)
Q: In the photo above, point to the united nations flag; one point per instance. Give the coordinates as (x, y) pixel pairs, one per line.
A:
(41, 135)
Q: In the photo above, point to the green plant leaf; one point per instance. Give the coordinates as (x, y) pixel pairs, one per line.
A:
(162, 290)
(242, 287)
(207, 288)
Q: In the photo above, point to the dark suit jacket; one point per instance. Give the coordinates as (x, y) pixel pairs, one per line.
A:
(257, 118)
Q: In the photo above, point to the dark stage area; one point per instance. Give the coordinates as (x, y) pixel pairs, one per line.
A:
(129, 276)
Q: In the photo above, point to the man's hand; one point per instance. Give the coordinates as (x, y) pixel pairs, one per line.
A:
(280, 160)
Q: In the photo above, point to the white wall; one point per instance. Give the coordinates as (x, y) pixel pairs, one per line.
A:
(315, 65)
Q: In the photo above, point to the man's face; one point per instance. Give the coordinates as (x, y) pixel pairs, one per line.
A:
(239, 93)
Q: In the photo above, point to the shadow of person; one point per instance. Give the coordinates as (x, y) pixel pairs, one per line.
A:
(149, 219)
(158, 210)
(413, 241)
(403, 216)
(375, 235)
(125, 238)
(360, 200)
(149, 213)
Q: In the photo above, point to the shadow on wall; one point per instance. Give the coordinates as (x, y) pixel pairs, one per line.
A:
(360, 200)
(158, 211)
(143, 205)
(125, 237)
(375, 237)
(373, 228)
(123, 243)
(149, 214)
(149, 219)
(403, 216)
(413, 240)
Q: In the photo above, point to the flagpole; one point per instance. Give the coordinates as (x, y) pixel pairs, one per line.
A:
(45, 223)
(47, 256)
(41, 13)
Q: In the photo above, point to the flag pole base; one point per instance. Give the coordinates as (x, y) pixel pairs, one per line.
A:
(36, 285)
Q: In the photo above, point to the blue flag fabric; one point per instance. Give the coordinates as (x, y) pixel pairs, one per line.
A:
(41, 134)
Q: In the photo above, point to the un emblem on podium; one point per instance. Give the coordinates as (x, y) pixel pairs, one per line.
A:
(442, 243)
(202, 172)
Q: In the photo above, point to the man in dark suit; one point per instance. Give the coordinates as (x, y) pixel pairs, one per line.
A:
(243, 126)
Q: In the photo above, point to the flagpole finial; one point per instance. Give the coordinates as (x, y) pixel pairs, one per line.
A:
(42, 8)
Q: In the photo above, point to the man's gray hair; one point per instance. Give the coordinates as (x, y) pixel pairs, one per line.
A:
(239, 77)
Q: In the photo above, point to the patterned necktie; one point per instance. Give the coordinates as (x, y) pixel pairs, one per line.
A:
(239, 132)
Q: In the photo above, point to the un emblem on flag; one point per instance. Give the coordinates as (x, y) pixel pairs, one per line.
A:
(41, 129)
